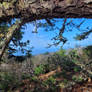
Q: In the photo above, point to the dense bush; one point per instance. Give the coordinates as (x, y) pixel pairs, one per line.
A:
(70, 71)
(61, 52)
(39, 70)
(8, 81)
(50, 83)
(87, 52)
(73, 54)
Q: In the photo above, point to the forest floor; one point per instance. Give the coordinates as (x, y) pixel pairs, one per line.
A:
(78, 87)
(61, 73)
(64, 83)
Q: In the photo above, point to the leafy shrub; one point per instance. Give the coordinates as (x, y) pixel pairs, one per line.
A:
(8, 80)
(77, 69)
(61, 52)
(50, 82)
(34, 78)
(77, 78)
(68, 65)
(73, 54)
(88, 51)
(54, 61)
(64, 73)
(26, 76)
(65, 81)
(39, 70)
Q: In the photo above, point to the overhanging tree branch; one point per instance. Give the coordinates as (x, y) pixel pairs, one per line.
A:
(41, 9)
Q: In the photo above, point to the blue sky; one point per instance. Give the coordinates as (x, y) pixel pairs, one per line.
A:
(41, 40)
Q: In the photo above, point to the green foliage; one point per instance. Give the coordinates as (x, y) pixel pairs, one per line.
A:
(39, 70)
(34, 78)
(65, 81)
(77, 69)
(77, 78)
(51, 80)
(26, 76)
(63, 73)
(8, 80)
(88, 51)
(73, 54)
(54, 61)
(61, 52)
(68, 65)
(50, 83)
(74, 78)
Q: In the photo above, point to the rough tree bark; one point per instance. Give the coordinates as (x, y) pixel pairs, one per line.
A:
(15, 27)
(40, 9)
(30, 10)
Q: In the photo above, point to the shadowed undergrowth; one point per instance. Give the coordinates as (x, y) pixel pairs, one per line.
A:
(61, 72)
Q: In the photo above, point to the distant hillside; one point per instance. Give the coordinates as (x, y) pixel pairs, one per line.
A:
(40, 59)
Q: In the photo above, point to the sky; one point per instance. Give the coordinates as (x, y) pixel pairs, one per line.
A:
(41, 39)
